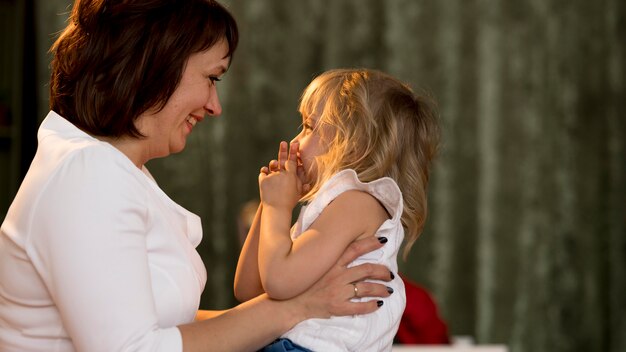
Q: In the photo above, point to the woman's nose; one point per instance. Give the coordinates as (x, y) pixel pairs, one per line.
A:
(213, 106)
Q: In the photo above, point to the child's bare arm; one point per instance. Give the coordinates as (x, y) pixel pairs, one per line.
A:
(247, 280)
(288, 268)
(247, 283)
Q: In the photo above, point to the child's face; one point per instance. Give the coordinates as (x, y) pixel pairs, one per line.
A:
(310, 146)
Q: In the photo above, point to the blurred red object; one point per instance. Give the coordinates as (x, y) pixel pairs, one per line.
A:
(421, 323)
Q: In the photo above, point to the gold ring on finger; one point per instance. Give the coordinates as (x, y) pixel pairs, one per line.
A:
(356, 291)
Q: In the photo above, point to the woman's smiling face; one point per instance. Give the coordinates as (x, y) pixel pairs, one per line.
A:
(166, 130)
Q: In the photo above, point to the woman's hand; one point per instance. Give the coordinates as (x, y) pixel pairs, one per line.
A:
(331, 295)
(260, 320)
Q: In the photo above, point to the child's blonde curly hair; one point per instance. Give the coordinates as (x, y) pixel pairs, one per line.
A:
(380, 128)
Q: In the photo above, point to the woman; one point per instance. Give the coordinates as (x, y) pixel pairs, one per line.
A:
(93, 255)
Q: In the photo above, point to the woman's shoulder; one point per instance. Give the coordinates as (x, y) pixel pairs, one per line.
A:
(84, 170)
(72, 178)
(65, 148)
(92, 162)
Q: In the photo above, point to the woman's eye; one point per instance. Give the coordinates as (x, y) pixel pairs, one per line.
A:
(214, 79)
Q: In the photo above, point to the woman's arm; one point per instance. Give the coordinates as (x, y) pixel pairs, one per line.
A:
(202, 314)
(247, 280)
(259, 321)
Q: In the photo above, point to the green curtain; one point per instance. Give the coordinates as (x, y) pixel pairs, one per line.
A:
(525, 243)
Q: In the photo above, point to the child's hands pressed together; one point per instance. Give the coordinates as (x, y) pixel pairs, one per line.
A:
(281, 182)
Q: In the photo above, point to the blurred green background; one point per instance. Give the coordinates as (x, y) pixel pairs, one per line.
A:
(525, 243)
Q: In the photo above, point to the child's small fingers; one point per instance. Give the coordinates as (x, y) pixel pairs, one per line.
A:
(302, 175)
(291, 166)
(273, 165)
(293, 151)
(282, 154)
(300, 172)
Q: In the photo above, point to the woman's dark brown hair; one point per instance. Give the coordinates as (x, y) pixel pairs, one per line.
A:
(118, 58)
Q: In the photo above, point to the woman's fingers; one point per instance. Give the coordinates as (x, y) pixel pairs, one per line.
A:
(353, 308)
(364, 289)
(360, 247)
(369, 289)
(361, 307)
(367, 271)
(333, 293)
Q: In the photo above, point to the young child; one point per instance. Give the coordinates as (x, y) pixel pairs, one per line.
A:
(360, 165)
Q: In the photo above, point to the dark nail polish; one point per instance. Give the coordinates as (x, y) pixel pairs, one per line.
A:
(382, 239)
(390, 290)
(379, 303)
(392, 275)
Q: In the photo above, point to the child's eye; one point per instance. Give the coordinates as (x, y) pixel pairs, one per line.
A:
(304, 127)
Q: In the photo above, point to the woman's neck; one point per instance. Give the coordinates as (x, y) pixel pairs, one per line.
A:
(131, 147)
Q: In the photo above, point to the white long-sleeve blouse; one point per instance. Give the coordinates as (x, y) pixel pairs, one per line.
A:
(94, 256)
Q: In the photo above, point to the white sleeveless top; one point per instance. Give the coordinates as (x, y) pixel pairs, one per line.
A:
(371, 332)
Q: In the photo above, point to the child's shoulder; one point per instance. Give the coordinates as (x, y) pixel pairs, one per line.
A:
(383, 190)
(355, 209)
(345, 194)
(348, 179)
(357, 199)
(344, 199)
